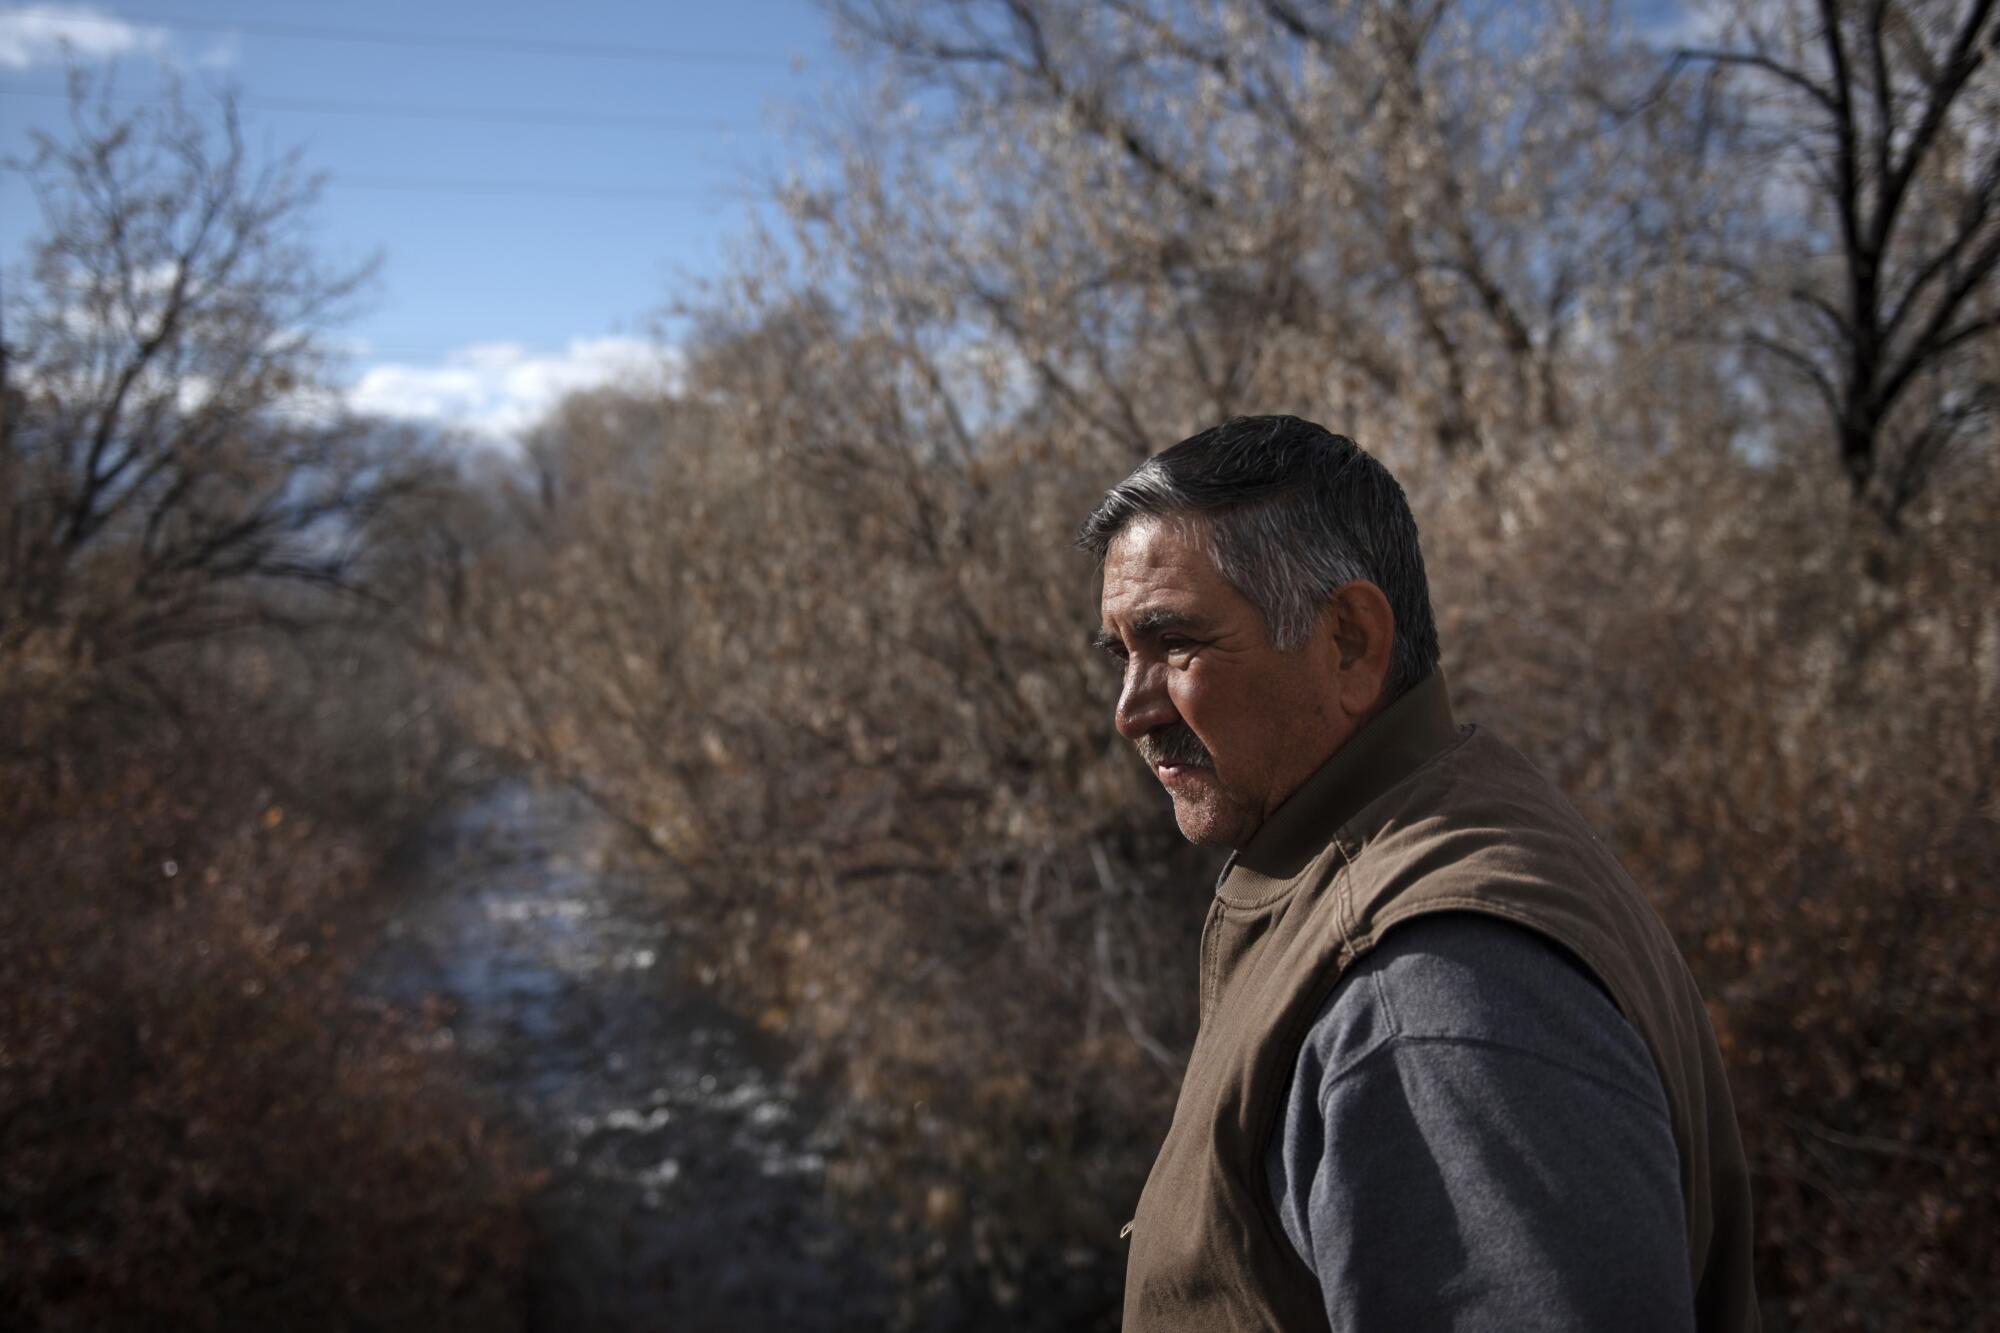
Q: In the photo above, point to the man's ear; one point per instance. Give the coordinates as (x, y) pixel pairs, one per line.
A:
(1364, 633)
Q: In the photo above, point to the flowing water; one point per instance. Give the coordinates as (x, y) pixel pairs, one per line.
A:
(686, 1170)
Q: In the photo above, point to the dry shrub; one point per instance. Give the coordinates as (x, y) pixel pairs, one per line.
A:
(202, 1128)
(843, 693)
(1786, 719)
(204, 753)
(840, 680)
(813, 628)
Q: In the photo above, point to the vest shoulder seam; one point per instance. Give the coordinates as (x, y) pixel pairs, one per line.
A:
(1458, 902)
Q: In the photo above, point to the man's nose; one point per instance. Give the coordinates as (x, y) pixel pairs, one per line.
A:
(1143, 705)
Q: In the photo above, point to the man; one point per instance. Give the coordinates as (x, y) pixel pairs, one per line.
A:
(1451, 1071)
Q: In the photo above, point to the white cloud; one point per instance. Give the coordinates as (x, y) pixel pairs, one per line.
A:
(51, 34)
(36, 35)
(498, 390)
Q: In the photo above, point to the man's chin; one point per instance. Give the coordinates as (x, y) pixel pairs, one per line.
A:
(1204, 819)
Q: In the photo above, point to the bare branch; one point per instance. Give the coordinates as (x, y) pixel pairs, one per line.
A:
(1759, 61)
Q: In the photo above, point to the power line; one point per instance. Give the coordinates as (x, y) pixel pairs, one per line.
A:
(429, 111)
(540, 189)
(461, 42)
(536, 189)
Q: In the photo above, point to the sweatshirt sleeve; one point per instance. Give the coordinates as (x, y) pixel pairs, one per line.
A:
(1475, 1138)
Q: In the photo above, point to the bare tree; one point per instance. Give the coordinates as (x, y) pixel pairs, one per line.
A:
(170, 443)
(1431, 204)
(1878, 283)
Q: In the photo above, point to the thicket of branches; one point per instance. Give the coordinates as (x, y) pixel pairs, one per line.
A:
(1686, 358)
(207, 742)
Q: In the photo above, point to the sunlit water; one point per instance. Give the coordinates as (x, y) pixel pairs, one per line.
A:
(687, 1172)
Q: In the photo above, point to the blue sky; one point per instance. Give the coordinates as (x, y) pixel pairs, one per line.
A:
(539, 182)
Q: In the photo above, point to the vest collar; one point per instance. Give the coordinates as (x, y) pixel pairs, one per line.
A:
(1392, 745)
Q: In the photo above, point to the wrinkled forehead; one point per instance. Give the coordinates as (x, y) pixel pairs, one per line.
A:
(1161, 566)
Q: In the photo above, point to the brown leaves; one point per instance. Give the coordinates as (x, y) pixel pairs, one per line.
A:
(203, 1130)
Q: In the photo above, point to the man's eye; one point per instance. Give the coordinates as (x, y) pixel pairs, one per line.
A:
(1177, 647)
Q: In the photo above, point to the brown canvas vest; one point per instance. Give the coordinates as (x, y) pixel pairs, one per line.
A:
(1413, 815)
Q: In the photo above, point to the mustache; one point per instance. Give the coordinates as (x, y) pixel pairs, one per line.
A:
(1175, 744)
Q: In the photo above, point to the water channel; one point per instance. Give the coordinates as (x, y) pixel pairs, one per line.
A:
(686, 1169)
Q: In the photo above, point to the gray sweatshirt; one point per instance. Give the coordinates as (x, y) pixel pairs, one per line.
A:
(1475, 1138)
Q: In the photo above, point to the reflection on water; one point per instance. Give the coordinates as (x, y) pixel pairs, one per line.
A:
(686, 1171)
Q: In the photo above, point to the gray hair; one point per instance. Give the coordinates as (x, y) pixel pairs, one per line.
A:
(1290, 512)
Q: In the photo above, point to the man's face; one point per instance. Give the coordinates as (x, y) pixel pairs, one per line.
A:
(1229, 725)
